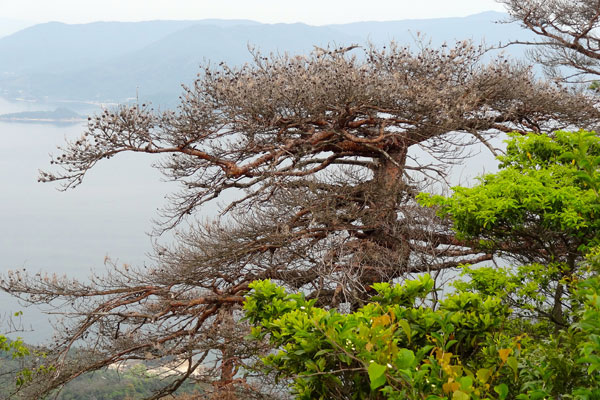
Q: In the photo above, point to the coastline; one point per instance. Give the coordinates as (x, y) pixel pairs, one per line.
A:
(43, 120)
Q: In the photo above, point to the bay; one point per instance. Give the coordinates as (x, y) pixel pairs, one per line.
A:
(68, 233)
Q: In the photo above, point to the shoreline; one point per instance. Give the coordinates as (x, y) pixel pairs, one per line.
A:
(44, 120)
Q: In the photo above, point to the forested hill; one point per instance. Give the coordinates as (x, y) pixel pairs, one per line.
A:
(112, 61)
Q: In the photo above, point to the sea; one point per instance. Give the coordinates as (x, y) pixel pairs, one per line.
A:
(45, 230)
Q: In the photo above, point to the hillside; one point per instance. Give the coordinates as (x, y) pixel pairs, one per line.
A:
(114, 61)
(477, 27)
(134, 382)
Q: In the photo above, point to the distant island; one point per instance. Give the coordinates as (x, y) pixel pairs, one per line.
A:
(60, 115)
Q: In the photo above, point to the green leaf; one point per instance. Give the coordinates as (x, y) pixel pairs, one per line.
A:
(513, 364)
(538, 395)
(502, 390)
(321, 352)
(466, 383)
(405, 359)
(376, 375)
(406, 328)
(321, 363)
(344, 358)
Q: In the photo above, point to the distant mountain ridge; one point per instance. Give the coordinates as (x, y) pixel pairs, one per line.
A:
(114, 61)
(486, 25)
(9, 26)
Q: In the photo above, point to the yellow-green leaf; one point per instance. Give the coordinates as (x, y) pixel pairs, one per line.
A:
(460, 395)
(484, 374)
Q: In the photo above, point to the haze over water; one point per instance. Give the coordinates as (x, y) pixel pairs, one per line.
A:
(43, 229)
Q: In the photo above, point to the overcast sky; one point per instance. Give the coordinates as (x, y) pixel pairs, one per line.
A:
(314, 12)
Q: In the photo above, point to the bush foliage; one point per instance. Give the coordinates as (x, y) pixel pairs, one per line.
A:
(526, 331)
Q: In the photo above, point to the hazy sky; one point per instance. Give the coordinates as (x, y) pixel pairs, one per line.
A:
(313, 12)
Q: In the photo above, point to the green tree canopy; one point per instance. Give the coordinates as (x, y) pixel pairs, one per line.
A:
(540, 210)
(523, 332)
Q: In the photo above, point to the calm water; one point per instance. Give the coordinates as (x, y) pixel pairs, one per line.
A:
(43, 229)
